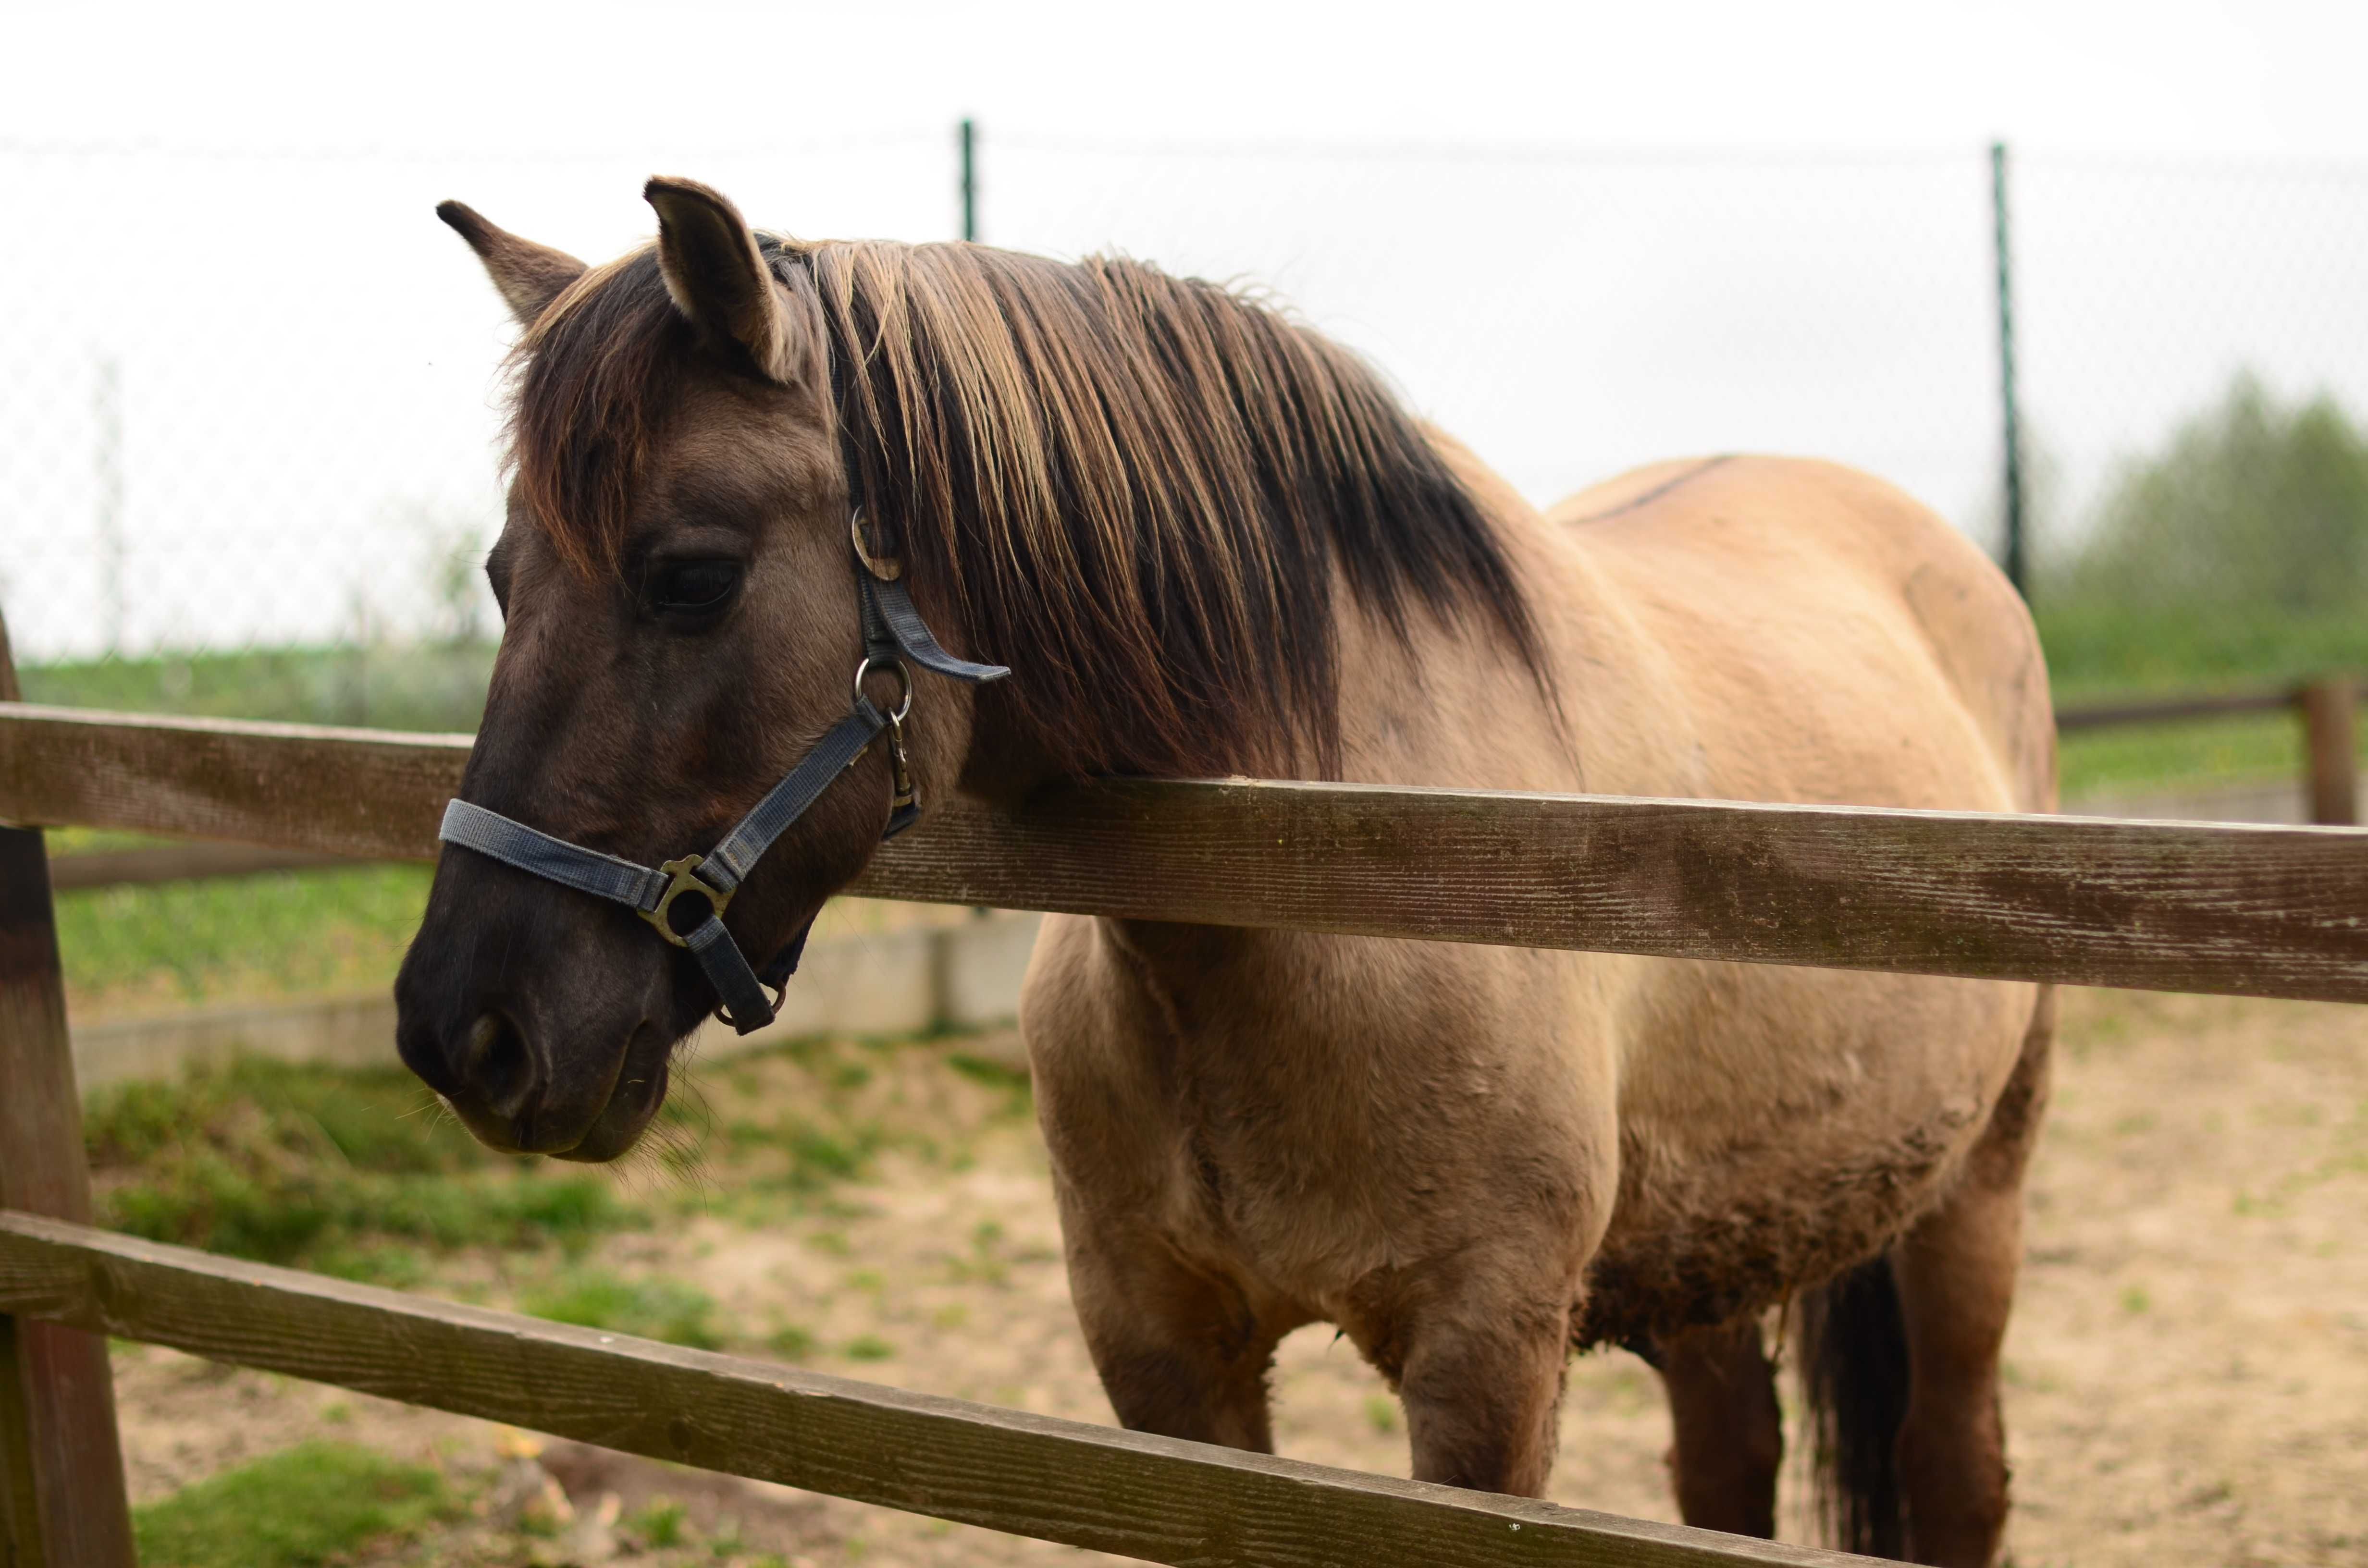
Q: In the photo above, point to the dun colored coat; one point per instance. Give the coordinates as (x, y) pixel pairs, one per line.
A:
(1208, 541)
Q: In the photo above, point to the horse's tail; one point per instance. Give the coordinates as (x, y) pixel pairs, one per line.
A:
(1854, 1377)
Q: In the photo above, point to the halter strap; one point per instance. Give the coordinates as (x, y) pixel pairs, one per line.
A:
(894, 632)
(893, 629)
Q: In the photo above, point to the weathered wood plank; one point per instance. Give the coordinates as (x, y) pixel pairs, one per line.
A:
(2174, 906)
(2245, 910)
(62, 1494)
(365, 794)
(179, 863)
(2166, 710)
(1155, 1498)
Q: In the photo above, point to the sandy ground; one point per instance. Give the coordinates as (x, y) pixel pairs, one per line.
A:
(2187, 1377)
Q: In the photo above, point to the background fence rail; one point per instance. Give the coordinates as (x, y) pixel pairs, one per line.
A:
(2327, 705)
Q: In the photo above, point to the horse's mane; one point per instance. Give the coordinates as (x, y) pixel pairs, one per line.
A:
(1135, 489)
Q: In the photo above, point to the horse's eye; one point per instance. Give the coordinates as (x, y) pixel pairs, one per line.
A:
(693, 588)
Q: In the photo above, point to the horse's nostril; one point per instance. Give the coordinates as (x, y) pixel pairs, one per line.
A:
(497, 1064)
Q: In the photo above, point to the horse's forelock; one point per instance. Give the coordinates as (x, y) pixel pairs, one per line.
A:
(594, 380)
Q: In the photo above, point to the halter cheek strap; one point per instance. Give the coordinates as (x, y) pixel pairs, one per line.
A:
(684, 900)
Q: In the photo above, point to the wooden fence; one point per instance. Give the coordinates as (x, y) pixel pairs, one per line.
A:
(2257, 911)
(2327, 705)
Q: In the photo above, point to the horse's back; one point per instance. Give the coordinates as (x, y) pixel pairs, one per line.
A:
(1828, 638)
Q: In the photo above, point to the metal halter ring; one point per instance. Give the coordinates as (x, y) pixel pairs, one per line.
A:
(683, 881)
(904, 678)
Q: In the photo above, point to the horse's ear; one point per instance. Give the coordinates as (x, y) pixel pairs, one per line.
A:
(530, 276)
(717, 275)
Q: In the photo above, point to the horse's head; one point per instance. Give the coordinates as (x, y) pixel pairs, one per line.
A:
(1144, 487)
(681, 628)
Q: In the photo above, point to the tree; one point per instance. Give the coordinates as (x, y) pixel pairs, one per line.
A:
(2251, 505)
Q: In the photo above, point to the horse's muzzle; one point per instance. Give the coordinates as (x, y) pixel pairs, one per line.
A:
(515, 1094)
(544, 1024)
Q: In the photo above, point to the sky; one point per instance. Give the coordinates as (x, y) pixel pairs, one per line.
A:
(250, 391)
(2163, 76)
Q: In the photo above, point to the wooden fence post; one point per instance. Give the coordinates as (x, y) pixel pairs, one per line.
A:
(61, 1496)
(2333, 782)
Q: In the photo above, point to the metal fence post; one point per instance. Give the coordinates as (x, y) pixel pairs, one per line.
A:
(2331, 783)
(969, 138)
(61, 1496)
(2016, 563)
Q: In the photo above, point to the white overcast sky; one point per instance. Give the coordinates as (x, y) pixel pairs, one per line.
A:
(1580, 236)
(2159, 76)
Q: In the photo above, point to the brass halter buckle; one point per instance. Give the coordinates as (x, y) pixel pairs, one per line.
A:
(681, 881)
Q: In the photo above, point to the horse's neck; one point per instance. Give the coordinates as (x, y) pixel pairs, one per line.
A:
(1451, 706)
(1449, 703)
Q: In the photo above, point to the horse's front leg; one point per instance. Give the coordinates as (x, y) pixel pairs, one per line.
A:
(1477, 1354)
(1181, 1349)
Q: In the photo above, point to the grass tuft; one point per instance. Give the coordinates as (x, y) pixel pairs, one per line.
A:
(314, 1504)
(648, 1309)
(238, 938)
(324, 1169)
(661, 1523)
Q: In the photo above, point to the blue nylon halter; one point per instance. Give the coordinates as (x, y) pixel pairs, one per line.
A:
(893, 632)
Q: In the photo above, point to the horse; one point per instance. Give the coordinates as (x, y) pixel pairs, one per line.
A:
(1206, 541)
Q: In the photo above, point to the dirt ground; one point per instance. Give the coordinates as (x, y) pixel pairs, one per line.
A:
(2187, 1376)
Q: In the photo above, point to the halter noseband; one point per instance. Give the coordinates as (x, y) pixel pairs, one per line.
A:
(892, 633)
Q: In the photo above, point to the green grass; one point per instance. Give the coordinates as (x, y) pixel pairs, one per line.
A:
(810, 1157)
(662, 1522)
(651, 1309)
(150, 948)
(344, 1171)
(289, 933)
(2105, 652)
(359, 1173)
(2191, 756)
(791, 1342)
(315, 1504)
(412, 687)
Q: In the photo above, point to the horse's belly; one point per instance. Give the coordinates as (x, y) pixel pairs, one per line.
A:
(1793, 1129)
(1756, 1230)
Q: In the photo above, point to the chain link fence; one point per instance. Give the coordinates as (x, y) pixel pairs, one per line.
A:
(252, 413)
(2193, 340)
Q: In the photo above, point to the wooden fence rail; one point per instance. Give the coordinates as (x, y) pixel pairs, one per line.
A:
(179, 863)
(2264, 911)
(2326, 704)
(1160, 1499)
(2177, 906)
